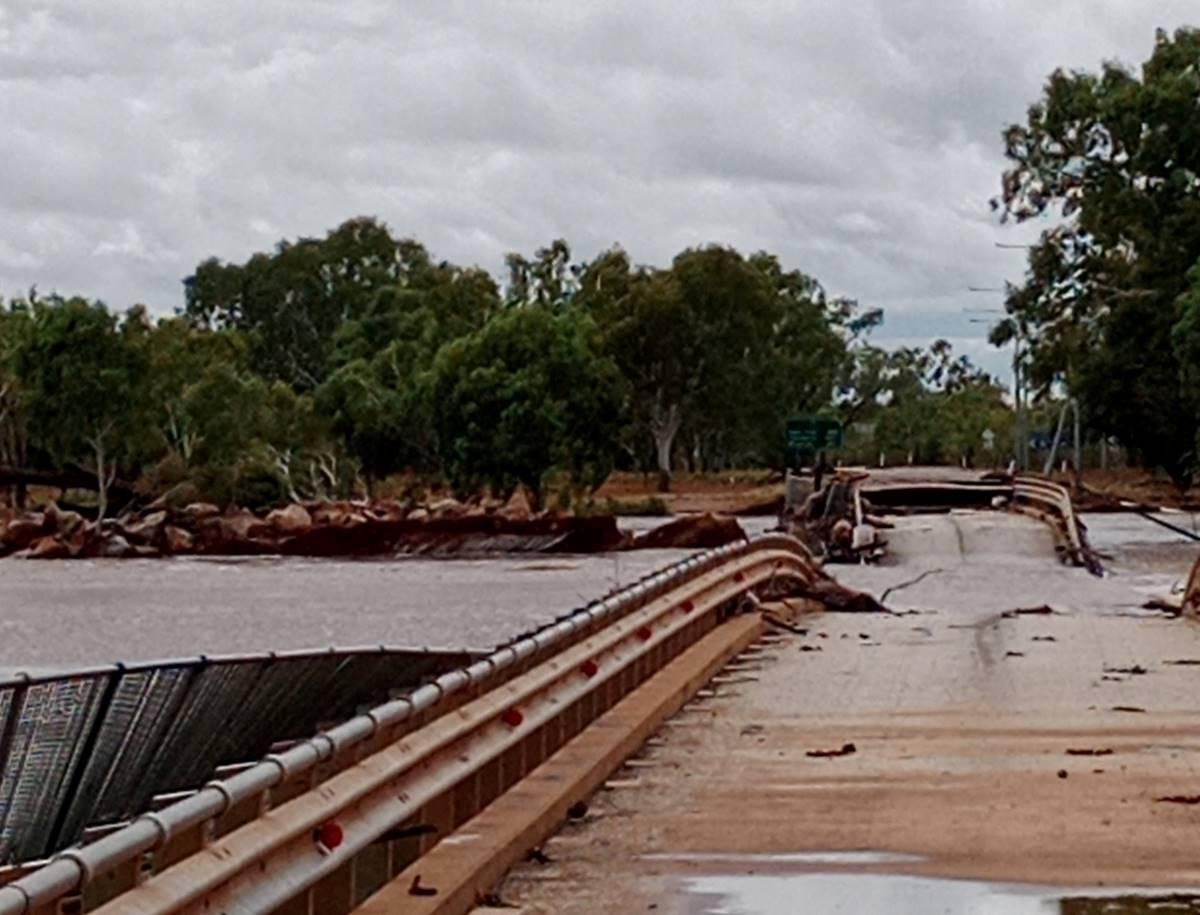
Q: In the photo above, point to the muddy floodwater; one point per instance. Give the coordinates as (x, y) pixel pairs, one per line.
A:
(896, 894)
(58, 614)
(67, 614)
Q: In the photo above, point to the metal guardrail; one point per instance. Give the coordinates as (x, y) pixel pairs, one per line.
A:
(406, 762)
(1190, 604)
(93, 747)
(1051, 502)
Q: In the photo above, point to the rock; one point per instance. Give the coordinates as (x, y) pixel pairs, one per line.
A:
(176, 540)
(842, 533)
(692, 532)
(22, 532)
(519, 506)
(447, 508)
(389, 510)
(198, 511)
(338, 514)
(50, 547)
(114, 546)
(147, 529)
(290, 520)
(491, 504)
(418, 514)
(241, 523)
(62, 521)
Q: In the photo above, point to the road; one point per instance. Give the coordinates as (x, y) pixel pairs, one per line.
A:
(989, 744)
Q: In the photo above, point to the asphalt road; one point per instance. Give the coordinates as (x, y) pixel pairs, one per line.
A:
(1014, 720)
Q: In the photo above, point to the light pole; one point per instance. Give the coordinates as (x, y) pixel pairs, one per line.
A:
(1020, 434)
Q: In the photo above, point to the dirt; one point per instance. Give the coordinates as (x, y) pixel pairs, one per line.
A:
(1103, 488)
(740, 492)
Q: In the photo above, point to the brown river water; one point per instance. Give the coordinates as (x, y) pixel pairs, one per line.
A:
(57, 615)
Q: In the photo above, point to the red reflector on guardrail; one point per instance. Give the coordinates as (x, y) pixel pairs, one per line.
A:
(512, 717)
(738, 576)
(644, 633)
(590, 668)
(329, 836)
(687, 606)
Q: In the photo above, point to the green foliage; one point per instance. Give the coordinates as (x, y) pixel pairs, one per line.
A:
(84, 376)
(327, 365)
(526, 396)
(1118, 155)
(927, 406)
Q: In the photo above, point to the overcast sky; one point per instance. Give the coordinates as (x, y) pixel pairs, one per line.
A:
(859, 140)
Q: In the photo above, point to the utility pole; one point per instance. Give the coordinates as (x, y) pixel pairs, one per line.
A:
(1020, 432)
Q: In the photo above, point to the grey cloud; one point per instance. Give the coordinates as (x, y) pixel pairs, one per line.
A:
(859, 141)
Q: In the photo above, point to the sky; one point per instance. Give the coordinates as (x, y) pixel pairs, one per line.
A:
(858, 140)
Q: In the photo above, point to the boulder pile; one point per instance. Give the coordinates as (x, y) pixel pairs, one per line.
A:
(343, 529)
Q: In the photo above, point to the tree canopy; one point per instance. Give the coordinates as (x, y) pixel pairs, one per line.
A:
(1109, 299)
(326, 365)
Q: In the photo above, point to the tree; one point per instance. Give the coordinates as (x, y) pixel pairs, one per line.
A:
(527, 396)
(292, 302)
(85, 382)
(1117, 156)
(14, 402)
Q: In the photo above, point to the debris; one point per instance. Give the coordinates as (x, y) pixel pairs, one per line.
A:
(810, 648)
(751, 729)
(909, 583)
(415, 888)
(845, 750)
(1062, 773)
(1134, 671)
(1043, 610)
(779, 622)
(1014, 654)
(865, 636)
(1163, 606)
(537, 856)
(1184, 662)
(1179, 799)
(1089, 751)
(578, 810)
(1127, 708)
(1044, 638)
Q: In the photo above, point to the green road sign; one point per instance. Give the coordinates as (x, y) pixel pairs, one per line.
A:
(813, 433)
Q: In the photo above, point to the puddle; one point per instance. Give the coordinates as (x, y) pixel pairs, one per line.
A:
(890, 894)
(798, 857)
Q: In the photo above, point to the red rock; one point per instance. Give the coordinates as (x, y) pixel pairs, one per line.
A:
(198, 511)
(61, 521)
(176, 540)
(48, 548)
(338, 514)
(22, 532)
(519, 506)
(147, 529)
(692, 532)
(291, 519)
(447, 508)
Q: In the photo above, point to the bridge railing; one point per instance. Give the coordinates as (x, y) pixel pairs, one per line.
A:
(1052, 503)
(394, 780)
(93, 747)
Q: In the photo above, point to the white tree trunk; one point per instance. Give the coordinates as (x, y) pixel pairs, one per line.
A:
(664, 424)
(101, 479)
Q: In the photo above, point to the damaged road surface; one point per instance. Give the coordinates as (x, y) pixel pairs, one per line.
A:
(988, 745)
